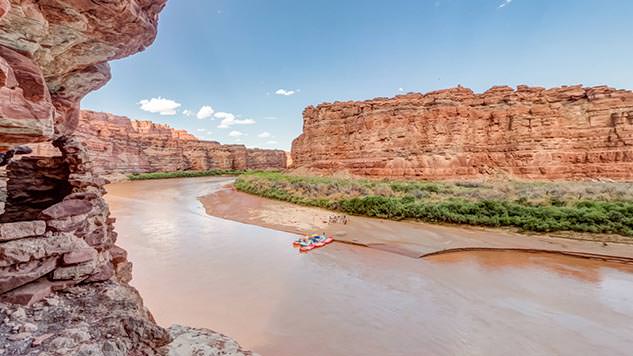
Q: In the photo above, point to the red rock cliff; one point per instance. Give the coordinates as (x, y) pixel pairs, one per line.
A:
(116, 144)
(535, 133)
(56, 232)
(55, 227)
(54, 52)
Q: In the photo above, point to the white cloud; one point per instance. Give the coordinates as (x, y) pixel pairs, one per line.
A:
(401, 90)
(285, 92)
(271, 142)
(205, 112)
(264, 134)
(187, 112)
(229, 120)
(159, 105)
(224, 115)
(202, 130)
(505, 3)
(236, 134)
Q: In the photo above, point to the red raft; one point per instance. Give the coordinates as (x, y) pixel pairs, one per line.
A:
(311, 242)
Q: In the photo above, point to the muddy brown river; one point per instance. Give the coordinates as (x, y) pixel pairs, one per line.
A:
(249, 283)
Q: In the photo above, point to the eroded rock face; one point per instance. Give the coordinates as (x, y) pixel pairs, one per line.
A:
(56, 231)
(27, 111)
(68, 44)
(535, 133)
(56, 228)
(116, 144)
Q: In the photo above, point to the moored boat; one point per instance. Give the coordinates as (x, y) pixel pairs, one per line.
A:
(314, 241)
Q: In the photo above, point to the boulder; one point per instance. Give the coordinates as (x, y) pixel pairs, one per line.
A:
(38, 248)
(202, 342)
(80, 256)
(19, 275)
(67, 208)
(29, 294)
(75, 272)
(21, 229)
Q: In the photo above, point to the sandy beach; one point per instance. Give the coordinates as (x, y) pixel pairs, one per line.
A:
(410, 238)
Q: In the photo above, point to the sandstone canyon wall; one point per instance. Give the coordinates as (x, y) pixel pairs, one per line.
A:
(56, 233)
(55, 226)
(534, 133)
(116, 144)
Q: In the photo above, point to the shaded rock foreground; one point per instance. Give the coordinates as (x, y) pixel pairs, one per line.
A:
(63, 281)
(101, 319)
(533, 133)
(117, 144)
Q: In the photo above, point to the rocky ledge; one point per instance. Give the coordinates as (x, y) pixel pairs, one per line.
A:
(106, 319)
(569, 132)
(201, 342)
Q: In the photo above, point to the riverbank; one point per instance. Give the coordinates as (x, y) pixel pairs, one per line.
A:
(186, 174)
(250, 283)
(544, 207)
(410, 238)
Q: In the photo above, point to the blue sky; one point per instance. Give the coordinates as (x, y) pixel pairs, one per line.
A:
(242, 71)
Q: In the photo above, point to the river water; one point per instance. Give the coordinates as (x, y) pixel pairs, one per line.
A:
(249, 283)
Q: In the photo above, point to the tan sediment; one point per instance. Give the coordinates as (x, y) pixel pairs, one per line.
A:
(409, 238)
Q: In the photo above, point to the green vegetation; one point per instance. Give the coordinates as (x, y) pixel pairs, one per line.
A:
(185, 174)
(595, 207)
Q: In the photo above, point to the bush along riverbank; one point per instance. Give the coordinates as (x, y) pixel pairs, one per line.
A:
(592, 207)
(186, 174)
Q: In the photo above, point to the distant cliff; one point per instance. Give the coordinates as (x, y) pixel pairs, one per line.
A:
(535, 133)
(116, 144)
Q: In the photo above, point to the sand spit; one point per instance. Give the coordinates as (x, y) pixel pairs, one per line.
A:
(410, 238)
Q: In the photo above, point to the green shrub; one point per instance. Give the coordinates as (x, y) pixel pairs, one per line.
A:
(185, 174)
(539, 206)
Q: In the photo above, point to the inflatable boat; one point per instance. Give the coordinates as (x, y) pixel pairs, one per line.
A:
(311, 242)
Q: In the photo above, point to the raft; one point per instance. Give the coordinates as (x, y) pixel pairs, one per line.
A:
(309, 243)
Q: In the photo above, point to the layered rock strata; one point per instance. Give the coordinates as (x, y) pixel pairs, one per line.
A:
(55, 52)
(116, 144)
(56, 230)
(534, 133)
(55, 227)
(56, 233)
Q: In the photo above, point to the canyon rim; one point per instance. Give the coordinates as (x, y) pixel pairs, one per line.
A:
(571, 133)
